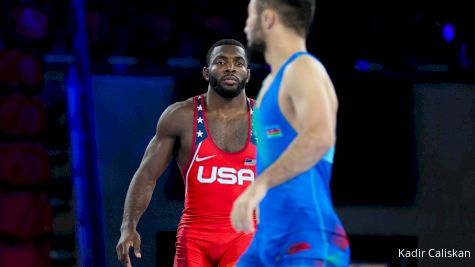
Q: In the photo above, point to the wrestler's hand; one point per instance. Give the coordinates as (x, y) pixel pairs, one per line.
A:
(244, 206)
(128, 238)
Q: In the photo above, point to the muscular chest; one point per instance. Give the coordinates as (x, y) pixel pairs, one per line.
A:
(228, 133)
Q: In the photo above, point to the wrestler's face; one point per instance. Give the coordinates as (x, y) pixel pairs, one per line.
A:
(253, 29)
(227, 72)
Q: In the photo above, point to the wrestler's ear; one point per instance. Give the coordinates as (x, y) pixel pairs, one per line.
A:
(268, 18)
(205, 73)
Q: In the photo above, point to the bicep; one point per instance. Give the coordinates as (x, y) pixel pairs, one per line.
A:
(159, 150)
(157, 156)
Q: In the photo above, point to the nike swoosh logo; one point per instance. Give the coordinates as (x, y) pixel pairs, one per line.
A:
(198, 159)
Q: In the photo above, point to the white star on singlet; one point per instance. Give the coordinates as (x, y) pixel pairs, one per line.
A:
(200, 107)
(251, 111)
(199, 133)
(200, 120)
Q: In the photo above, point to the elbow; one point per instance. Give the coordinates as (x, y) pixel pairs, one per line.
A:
(318, 139)
(323, 140)
(327, 141)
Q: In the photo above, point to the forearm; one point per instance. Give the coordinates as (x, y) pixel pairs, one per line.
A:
(302, 153)
(137, 200)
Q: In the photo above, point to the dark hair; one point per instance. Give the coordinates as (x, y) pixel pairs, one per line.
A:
(220, 43)
(295, 14)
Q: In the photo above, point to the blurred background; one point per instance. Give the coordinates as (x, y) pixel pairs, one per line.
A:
(83, 83)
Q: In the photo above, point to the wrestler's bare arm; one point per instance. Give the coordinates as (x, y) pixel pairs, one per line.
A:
(310, 106)
(155, 160)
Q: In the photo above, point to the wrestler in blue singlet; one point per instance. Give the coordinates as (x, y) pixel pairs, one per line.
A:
(298, 225)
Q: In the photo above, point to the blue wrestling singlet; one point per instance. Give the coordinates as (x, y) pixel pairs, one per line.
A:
(298, 225)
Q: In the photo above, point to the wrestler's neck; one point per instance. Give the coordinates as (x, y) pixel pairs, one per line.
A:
(281, 43)
(215, 102)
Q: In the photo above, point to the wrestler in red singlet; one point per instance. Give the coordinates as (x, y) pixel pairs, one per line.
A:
(213, 180)
(211, 139)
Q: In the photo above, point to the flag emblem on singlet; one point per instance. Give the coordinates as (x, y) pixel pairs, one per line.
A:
(249, 162)
(273, 131)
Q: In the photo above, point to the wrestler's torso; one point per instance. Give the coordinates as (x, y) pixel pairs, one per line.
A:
(306, 196)
(217, 162)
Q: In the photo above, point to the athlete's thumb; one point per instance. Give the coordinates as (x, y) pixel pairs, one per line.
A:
(137, 248)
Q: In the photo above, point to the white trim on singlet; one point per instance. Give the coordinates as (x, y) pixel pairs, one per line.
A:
(189, 167)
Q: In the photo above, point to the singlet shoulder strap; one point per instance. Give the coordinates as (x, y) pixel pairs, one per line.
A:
(293, 57)
(200, 129)
(250, 103)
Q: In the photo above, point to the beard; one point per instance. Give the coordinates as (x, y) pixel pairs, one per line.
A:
(255, 51)
(257, 47)
(223, 92)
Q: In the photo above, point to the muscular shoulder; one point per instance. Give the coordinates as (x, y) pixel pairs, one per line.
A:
(306, 66)
(305, 72)
(176, 117)
(306, 78)
(180, 109)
